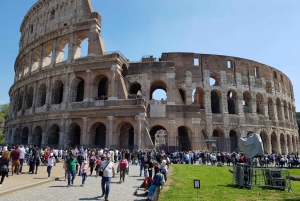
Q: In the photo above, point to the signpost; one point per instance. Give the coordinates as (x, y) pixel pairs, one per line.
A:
(197, 185)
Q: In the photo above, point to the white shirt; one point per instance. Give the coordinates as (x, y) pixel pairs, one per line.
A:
(22, 153)
(108, 170)
(51, 161)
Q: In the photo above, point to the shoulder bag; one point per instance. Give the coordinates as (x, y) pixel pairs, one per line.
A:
(101, 171)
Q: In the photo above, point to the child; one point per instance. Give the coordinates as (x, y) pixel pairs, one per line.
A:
(84, 168)
(146, 171)
(50, 164)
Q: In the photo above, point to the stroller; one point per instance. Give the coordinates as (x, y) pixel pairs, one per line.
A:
(145, 185)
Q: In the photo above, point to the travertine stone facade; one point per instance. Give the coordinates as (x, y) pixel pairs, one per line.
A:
(209, 97)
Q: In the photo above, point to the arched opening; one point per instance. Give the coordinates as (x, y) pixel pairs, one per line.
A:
(37, 136)
(233, 141)
(158, 90)
(269, 87)
(77, 90)
(212, 81)
(282, 144)
(265, 139)
(289, 146)
(198, 97)
(215, 101)
(160, 133)
(75, 132)
(47, 56)
(285, 110)
(124, 70)
(57, 92)
(135, 88)
(182, 95)
(100, 135)
(271, 109)
(274, 144)
(249, 133)
(17, 136)
(20, 100)
(246, 102)
(102, 88)
(126, 138)
(231, 101)
(24, 136)
(184, 141)
(290, 113)
(279, 109)
(81, 47)
(53, 136)
(260, 106)
(219, 143)
(41, 96)
(26, 65)
(29, 98)
(35, 61)
(62, 52)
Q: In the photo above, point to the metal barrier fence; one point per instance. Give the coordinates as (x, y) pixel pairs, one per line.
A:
(247, 176)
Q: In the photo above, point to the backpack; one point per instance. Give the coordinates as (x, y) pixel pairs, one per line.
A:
(143, 159)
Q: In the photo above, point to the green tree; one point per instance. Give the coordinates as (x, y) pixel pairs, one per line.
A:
(4, 110)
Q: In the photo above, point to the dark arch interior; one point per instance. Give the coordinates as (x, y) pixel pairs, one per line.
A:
(215, 102)
(124, 70)
(231, 106)
(103, 87)
(75, 131)
(126, 136)
(233, 141)
(100, 135)
(24, 139)
(182, 94)
(135, 88)
(37, 136)
(53, 137)
(184, 142)
(80, 91)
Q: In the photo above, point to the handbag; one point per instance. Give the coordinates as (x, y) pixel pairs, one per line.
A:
(101, 171)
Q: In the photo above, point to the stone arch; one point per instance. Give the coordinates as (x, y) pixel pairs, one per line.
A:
(290, 112)
(247, 102)
(265, 140)
(135, 87)
(232, 102)
(124, 70)
(215, 96)
(219, 141)
(98, 134)
(126, 137)
(279, 109)
(53, 136)
(26, 65)
(82, 41)
(199, 98)
(285, 110)
(24, 136)
(29, 98)
(294, 143)
(62, 50)
(20, 100)
(269, 87)
(75, 133)
(182, 95)
(274, 143)
(41, 95)
(215, 79)
(157, 84)
(184, 141)
(289, 146)
(57, 92)
(77, 89)
(271, 109)
(154, 130)
(17, 136)
(35, 61)
(37, 136)
(101, 85)
(282, 144)
(260, 105)
(47, 57)
(233, 140)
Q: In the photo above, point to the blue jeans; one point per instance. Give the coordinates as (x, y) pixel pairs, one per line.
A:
(142, 168)
(21, 164)
(105, 180)
(151, 189)
(49, 170)
(71, 174)
(83, 177)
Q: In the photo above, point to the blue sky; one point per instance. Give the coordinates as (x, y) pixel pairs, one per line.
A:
(265, 31)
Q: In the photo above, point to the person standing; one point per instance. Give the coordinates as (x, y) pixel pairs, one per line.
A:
(122, 168)
(50, 164)
(71, 163)
(80, 160)
(22, 157)
(4, 161)
(108, 172)
(84, 169)
(15, 156)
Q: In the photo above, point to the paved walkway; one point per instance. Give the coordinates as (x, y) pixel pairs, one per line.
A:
(36, 187)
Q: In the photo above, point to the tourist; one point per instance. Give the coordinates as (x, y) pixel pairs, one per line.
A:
(15, 156)
(92, 163)
(80, 160)
(22, 157)
(108, 172)
(50, 164)
(158, 181)
(4, 161)
(123, 164)
(84, 168)
(71, 163)
(144, 160)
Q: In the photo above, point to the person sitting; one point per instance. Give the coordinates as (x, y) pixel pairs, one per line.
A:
(158, 181)
(105, 97)
(102, 97)
(97, 98)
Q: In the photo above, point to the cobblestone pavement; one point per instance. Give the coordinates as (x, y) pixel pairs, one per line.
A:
(57, 190)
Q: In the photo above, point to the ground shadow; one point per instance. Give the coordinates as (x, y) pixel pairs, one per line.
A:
(95, 198)
(230, 186)
(40, 178)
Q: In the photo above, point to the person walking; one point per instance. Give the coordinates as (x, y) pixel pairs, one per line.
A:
(4, 161)
(22, 157)
(15, 156)
(122, 168)
(50, 164)
(84, 169)
(71, 163)
(108, 172)
(93, 159)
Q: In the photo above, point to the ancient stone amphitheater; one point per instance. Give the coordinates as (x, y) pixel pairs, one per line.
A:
(62, 98)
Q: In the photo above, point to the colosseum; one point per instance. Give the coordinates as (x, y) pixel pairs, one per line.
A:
(61, 97)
